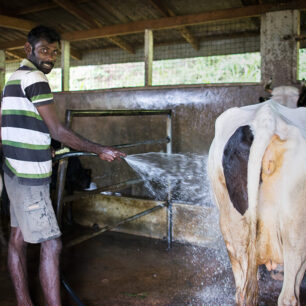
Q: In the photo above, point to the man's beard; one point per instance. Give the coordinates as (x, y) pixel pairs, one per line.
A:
(43, 66)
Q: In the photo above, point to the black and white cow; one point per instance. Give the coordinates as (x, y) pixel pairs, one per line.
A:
(257, 171)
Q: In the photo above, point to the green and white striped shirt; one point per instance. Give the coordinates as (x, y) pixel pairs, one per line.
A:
(25, 136)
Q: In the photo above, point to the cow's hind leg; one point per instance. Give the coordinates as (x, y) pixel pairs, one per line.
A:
(294, 270)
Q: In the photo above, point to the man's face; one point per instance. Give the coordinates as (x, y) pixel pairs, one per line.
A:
(43, 55)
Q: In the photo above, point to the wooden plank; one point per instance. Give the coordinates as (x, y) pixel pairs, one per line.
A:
(19, 44)
(12, 54)
(65, 64)
(13, 45)
(179, 21)
(39, 7)
(75, 54)
(2, 70)
(91, 23)
(16, 23)
(70, 7)
(122, 44)
(35, 8)
(185, 33)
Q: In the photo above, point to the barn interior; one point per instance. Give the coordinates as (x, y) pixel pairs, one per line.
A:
(127, 241)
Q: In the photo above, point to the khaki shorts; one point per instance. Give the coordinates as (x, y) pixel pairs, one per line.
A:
(31, 210)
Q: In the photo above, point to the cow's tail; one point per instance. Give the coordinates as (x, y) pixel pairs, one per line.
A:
(263, 127)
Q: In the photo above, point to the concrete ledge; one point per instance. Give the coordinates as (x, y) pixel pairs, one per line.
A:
(191, 223)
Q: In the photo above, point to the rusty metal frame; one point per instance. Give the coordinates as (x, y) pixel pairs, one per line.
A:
(63, 161)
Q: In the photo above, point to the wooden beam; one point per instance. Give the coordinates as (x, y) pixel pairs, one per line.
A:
(12, 54)
(2, 70)
(65, 64)
(189, 38)
(39, 7)
(13, 45)
(75, 54)
(91, 23)
(179, 21)
(148, 57)
(16, 23)
(122, 44)
(35, 8)
(185, 33)
(19, 44)
(70, 7)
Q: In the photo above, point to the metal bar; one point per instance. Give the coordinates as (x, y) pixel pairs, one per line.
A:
(108, 228)
(60, 186)
(119, 146)
(169, 134)
(118, 112)
(115, 187)
(169, 219)
(169, 211)
(68, 118)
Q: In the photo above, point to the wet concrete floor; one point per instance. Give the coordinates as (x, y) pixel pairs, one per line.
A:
(120, 269)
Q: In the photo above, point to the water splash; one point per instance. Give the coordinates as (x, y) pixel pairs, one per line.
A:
(185, 176)
(182, 175)
(181, 178)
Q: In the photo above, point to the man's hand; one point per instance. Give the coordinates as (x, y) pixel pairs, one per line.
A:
(109, 154)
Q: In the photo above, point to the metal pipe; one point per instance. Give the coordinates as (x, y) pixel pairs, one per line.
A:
(115, 187)
(119, 112)
(108, 228)
(169, 219)
(60, 187)
(169, 134)
(119, 146)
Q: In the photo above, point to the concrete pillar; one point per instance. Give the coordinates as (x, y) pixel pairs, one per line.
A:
(279, 57)
(2, 70)
(65, 63)
(148, 49)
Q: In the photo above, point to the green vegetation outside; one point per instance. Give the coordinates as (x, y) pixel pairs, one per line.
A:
(237, 68)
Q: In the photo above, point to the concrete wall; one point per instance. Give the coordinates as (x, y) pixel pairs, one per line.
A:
(194, 112)
(195, 109)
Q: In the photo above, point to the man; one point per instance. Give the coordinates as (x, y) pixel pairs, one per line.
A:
(28, 120)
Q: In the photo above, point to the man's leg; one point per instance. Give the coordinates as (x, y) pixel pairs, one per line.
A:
(17, 255)
(49, 271)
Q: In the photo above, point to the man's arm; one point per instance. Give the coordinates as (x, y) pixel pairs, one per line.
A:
(63, 134)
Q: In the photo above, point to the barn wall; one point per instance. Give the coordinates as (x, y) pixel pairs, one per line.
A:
(194, 112)
(195, 109)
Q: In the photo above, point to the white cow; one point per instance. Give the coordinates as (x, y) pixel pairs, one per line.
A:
(257, 171)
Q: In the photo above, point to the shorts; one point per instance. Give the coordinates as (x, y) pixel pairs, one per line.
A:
(31, 210)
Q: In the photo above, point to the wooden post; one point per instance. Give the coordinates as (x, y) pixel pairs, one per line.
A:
(2, 70)
(148, 49)
(65, 64)
(279, 57)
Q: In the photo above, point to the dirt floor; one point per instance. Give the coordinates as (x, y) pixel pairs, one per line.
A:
(120, 269)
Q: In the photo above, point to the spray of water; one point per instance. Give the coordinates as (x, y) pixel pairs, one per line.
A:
(183, 179)
(181, 175)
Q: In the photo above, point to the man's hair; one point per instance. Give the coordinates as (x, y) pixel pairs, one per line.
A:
(43, 32)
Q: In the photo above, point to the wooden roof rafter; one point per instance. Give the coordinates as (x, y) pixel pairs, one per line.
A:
(183, 20)
(19, 44)
(19, 24)
(185, 33)
(12, 54)
(88, 20)
(40, 7)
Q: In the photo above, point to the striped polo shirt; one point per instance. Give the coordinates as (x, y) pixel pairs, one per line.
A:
(25, 136)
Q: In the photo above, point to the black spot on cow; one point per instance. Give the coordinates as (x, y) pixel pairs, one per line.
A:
(302, 98)
(235, 166)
